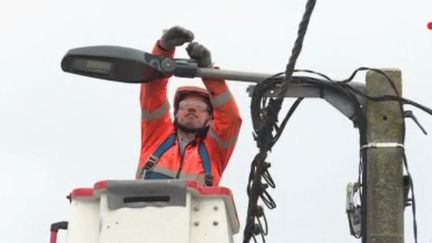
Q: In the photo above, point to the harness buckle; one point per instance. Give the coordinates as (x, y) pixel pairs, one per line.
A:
(151, 161)
(208, 180)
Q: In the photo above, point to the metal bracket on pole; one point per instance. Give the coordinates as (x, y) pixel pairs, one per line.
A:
(340, 102)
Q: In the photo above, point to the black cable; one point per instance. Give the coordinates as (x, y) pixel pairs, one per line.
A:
(301, 33)
(314, 72)
(413, 202)
(404, 101)
(285, 120)
(265, 122)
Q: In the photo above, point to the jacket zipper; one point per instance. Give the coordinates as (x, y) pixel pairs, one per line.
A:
(181, 160)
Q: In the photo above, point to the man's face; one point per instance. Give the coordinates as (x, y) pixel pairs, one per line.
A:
(193, 112)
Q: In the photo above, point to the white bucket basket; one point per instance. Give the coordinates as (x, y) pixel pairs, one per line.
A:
(153, 211)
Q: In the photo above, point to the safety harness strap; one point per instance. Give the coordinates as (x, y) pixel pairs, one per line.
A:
(163, 147)
(205, 158)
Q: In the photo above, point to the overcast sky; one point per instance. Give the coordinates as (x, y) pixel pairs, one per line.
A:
(60, 131)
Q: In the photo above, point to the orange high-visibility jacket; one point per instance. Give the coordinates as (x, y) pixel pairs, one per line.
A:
(157, 125)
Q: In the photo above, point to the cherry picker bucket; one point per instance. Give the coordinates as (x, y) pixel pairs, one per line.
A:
(137, 211)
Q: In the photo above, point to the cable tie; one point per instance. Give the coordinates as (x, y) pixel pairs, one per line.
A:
(383, 145)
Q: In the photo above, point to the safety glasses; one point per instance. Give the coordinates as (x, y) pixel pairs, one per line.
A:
(196, 105)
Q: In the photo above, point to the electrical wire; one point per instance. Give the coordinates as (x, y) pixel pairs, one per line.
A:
(265, 123)
(343, 88)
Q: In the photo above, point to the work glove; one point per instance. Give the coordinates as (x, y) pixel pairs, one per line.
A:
(200, 54)
(175, 36)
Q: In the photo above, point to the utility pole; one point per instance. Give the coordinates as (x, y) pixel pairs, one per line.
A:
(384, 192)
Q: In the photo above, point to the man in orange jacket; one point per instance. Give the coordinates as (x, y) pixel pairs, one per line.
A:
(200, 141)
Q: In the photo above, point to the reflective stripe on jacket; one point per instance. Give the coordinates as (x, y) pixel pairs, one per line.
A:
(157, 125)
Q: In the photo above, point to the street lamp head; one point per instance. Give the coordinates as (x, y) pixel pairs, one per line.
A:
(116, 63)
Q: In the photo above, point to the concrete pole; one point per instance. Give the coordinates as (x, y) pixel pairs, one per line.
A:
(384, 192)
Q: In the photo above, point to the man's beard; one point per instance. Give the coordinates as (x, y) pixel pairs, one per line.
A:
(201, 131)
